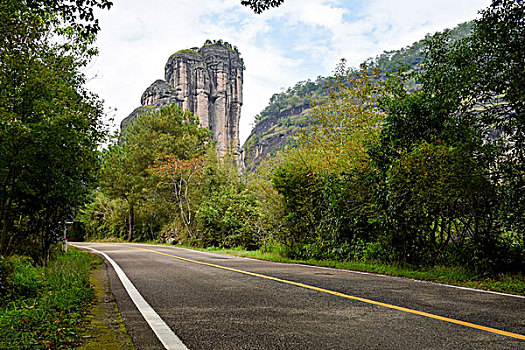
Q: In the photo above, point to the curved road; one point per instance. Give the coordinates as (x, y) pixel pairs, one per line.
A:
(215, 301)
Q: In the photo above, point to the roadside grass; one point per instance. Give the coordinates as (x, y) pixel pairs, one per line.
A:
(44, 307)
(457, 276)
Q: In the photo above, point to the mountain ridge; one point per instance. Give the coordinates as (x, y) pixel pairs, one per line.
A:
(277, 124)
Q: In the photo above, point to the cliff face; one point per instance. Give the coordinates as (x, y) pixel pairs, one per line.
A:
(206, 82)
(273, 134)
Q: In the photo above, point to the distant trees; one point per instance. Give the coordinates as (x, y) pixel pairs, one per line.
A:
(50, 126)
(222, 43)
(299, 95)
(413, 55)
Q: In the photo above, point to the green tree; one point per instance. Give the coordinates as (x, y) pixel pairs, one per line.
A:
(471, 103)
(170, 132)
(181, 176)
(436, 192)
(228, 218)
(348, 121)
(50, 125)
(77, 13)
(327, 182)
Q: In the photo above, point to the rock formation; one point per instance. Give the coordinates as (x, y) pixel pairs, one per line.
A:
(271, 135)
(208, 83)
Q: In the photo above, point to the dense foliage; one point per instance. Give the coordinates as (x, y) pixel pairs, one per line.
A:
(258, 6)
(443, 181)
(297, 96)
(50, 126)
(286, 111)
(413, 55)
(168, 135)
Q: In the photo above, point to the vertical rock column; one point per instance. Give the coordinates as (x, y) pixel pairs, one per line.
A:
(187, 73)
(235, 105)
(208, 83)
(202, 93)
(225, 70)
(220, 107)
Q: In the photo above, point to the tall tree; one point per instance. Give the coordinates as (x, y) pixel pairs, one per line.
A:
(50, 125)
(77, 13)
(181, 176)
(470, 112)
(169, 132)
(325, 182)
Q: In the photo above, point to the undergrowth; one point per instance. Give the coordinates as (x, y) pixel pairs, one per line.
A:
(44, 307)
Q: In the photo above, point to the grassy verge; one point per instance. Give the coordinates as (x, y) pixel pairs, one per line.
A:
(504, 283)
(44, 307)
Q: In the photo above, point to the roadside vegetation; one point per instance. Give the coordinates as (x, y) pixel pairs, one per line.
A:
(43, 307)
(416, 169)
(50, 129)
(50, 125)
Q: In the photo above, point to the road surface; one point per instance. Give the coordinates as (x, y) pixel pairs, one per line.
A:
(210, 301)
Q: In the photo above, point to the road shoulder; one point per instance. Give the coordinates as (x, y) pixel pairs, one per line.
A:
(105, 328)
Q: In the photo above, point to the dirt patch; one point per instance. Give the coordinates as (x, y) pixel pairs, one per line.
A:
(105, 328)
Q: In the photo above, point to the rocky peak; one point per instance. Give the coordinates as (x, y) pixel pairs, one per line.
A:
(159, 91)
(207, 82)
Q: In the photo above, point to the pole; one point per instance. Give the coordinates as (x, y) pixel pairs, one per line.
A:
(64, 240)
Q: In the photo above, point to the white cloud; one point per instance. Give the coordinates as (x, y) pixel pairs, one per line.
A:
(299, 40)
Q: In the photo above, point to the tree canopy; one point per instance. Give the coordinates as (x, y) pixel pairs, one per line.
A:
(77, 13)
(50, 125)
(167, 132)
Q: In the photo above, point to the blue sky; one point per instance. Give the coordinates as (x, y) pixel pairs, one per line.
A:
(300, 40)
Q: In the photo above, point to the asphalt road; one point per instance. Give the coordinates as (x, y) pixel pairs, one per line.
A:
(214, 301)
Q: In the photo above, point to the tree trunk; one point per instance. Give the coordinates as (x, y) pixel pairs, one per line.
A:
(4, 213)
(3, 234)
(131, 217)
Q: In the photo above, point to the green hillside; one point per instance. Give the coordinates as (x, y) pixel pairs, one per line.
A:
(286, 112)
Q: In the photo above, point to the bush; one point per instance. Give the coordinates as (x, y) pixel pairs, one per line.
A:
(228, 219)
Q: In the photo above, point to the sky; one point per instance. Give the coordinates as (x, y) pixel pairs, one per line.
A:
(299, 40)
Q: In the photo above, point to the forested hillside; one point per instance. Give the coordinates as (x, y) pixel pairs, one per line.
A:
(276, 126)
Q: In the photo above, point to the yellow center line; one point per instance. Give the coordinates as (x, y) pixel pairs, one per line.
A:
(342, 295)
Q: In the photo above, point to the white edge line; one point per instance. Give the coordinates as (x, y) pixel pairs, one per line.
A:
(157, 324)
(345, 270)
